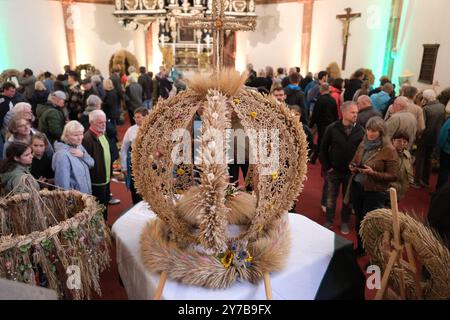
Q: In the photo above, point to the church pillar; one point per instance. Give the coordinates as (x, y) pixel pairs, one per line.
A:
(229, 50)
(70, 34)
(308, 6)
(392, 37)
(149, 48)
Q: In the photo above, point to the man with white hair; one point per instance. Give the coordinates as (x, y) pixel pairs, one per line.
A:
(97, 145)
(434, 115)
(401, 120)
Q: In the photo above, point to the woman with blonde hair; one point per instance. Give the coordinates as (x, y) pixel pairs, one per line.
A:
(374, 167)
(71, 162)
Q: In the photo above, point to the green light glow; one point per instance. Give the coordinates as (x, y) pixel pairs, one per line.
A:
(395, 57)
(4, 58)
(378, 39)
(399, 62)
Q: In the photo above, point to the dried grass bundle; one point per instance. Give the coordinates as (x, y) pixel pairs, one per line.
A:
(71, 231)
(228, 81)
(430, 251)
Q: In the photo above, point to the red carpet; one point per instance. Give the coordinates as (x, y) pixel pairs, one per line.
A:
(416, 201)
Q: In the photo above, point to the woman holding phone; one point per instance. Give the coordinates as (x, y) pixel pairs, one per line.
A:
(374, 167)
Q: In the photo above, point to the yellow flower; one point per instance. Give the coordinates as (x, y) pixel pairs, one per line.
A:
(253, 114)
(237, 101)
(227, 258)
(180, 171)
(274, 175)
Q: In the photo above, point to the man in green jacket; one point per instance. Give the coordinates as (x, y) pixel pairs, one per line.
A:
(51, 116)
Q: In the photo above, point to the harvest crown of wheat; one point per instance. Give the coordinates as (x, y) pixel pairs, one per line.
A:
(208, 232)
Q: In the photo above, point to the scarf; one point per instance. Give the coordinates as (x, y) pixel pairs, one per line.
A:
(370, 146)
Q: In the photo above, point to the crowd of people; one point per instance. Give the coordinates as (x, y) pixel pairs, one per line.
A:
(62, 131)
(368, 139)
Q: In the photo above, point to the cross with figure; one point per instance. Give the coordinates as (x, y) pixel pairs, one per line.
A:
(346, 19)
(218, 22)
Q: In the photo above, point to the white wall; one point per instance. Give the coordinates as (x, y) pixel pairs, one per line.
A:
(32, 35)
(98, 36)
(277, 40)
(367, 39)
(426, 22)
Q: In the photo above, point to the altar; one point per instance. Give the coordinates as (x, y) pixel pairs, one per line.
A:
(321, 265)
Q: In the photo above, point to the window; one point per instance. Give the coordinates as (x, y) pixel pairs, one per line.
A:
(430, 52)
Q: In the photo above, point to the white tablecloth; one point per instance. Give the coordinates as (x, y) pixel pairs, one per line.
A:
(311, 252)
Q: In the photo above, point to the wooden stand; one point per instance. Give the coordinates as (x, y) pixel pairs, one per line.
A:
(160, 288)
(394, 249)
(267, 286)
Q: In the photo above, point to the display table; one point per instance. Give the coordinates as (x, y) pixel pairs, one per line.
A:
(321, 265)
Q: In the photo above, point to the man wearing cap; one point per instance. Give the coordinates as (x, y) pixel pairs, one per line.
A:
(51, 116)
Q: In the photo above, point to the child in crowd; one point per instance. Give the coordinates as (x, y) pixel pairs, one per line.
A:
(405, 176)
(125, 152)
(41, 168)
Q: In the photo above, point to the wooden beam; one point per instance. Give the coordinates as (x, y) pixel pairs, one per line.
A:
(306, 35)
(149, 47)
(70, 35)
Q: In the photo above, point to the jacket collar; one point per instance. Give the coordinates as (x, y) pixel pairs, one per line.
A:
(95, 133)
(294, 87)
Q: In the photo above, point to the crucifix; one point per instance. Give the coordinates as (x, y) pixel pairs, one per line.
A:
(218, 22)
(346, 19)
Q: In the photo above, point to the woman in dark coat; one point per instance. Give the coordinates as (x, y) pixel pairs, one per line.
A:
(111, 105)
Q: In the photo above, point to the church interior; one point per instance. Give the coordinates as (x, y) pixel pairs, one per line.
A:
(224, 150)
